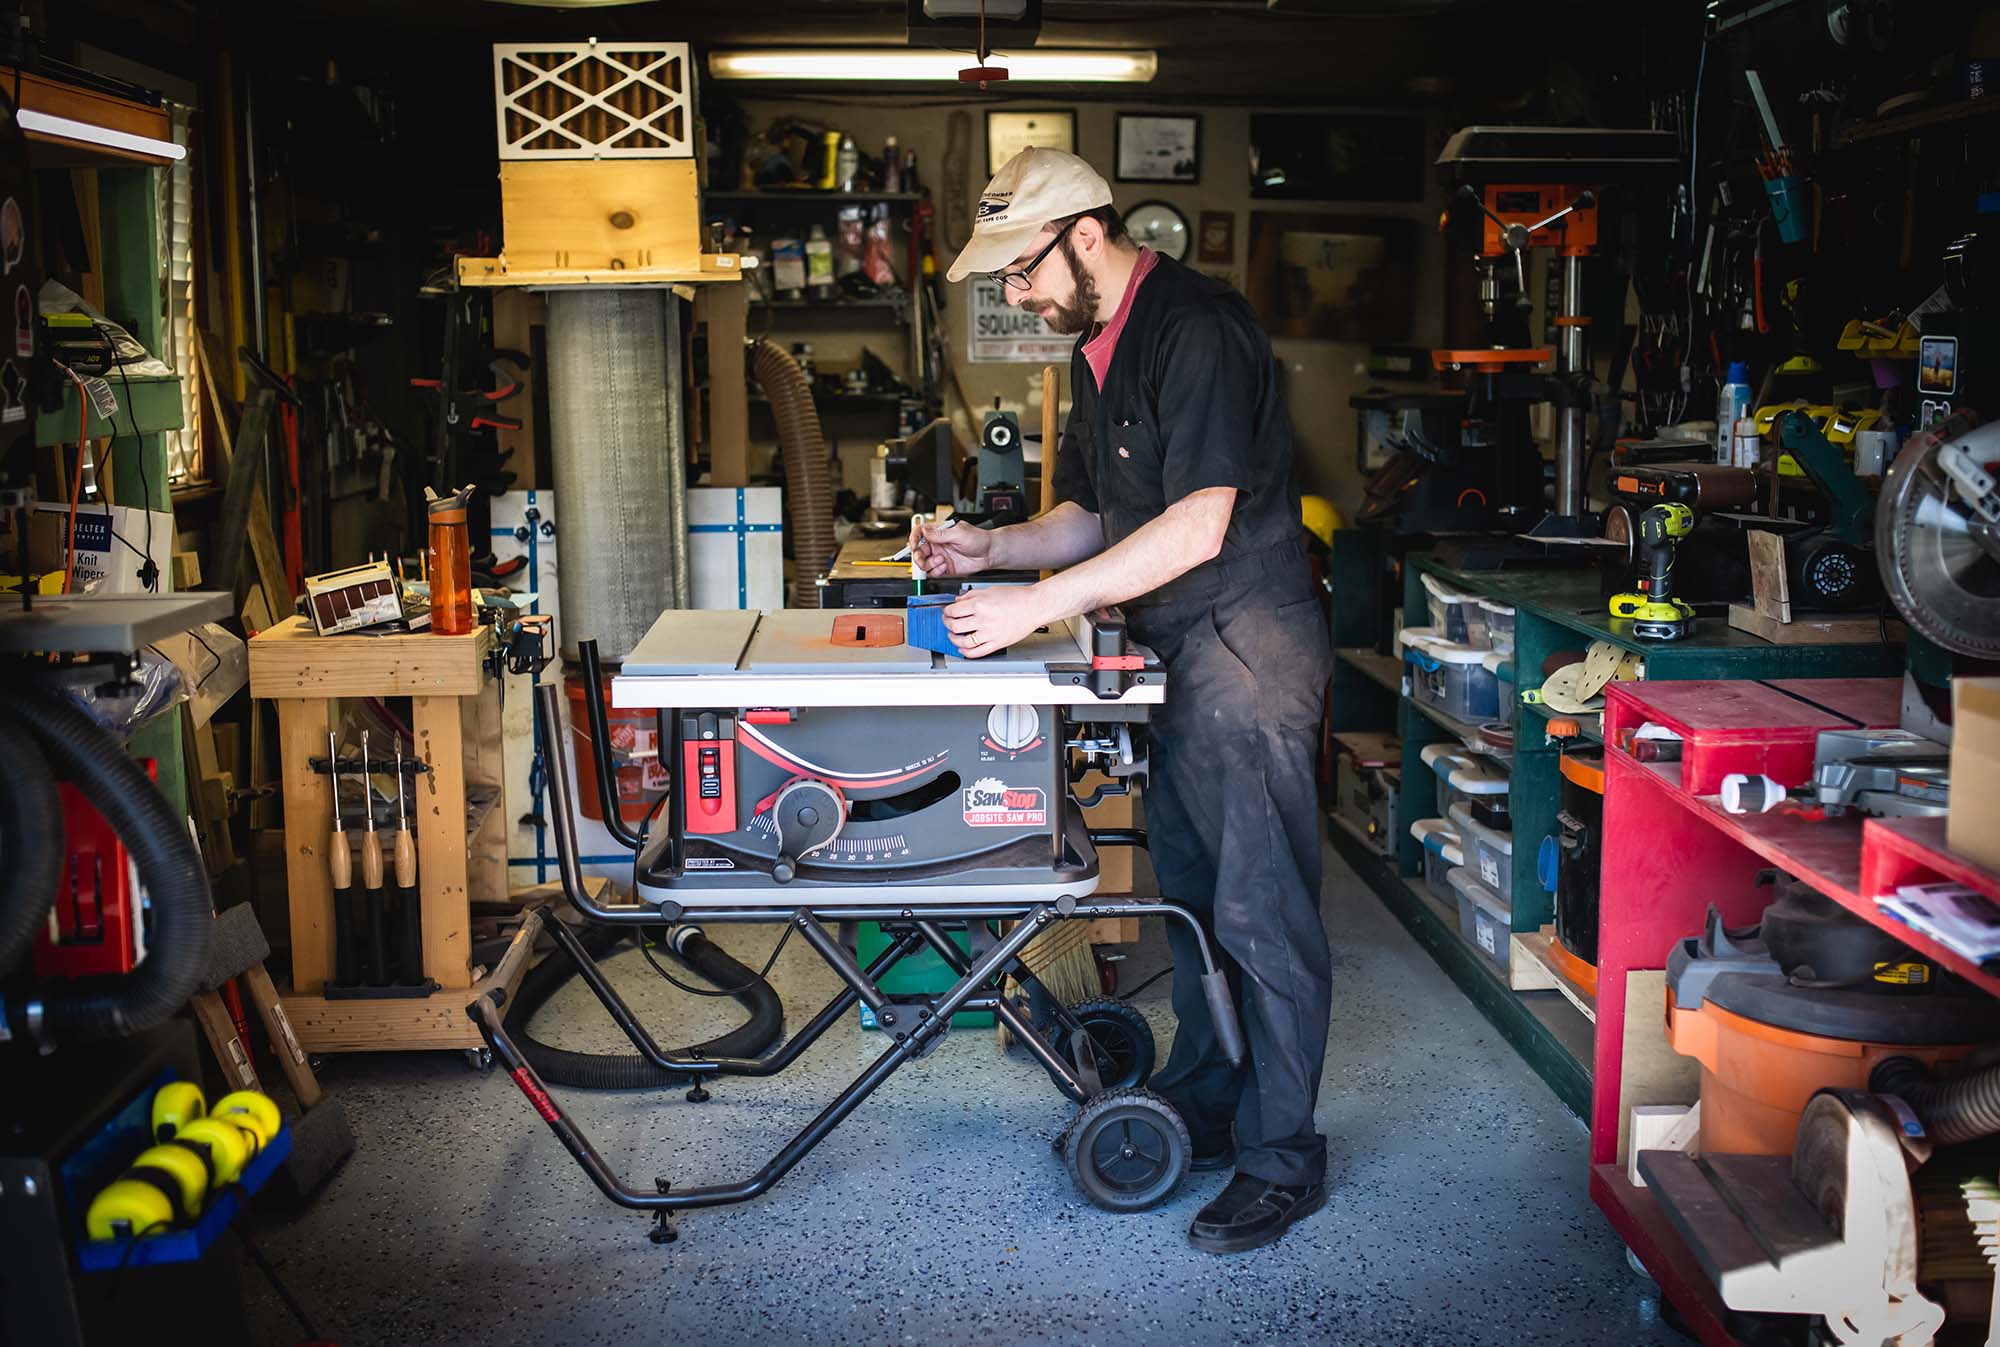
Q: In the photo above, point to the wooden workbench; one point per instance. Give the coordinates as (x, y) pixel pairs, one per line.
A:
(455, 718)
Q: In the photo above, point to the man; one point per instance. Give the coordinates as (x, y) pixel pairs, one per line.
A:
(1175, 501)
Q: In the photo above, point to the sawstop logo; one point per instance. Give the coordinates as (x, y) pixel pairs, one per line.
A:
(992, 803)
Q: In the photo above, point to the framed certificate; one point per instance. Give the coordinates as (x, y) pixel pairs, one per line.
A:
(1153, 148)
(1008, 133)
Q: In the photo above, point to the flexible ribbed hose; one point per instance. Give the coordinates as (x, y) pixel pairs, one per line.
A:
(169, 865)
(808, 477)
(630, 1071)
(1963, 1108)
(31, 838)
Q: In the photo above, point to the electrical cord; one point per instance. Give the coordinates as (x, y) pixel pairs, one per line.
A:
(646, 948)
(1147, 983)
(149, 572)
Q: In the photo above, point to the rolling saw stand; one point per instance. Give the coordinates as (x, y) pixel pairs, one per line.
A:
(793, 804)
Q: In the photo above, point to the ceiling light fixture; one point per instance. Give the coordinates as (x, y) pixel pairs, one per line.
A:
(65, 128)
(889, 63)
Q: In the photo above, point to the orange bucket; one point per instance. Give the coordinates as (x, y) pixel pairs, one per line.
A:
(641, 776)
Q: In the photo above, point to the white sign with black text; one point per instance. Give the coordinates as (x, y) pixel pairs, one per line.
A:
(1001, 333)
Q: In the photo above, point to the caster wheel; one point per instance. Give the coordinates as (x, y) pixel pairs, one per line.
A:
(479, 1059)
(1128, 1150)
(1121, 1039)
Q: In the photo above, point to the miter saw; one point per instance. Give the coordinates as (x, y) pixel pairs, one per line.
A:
(1937, 535)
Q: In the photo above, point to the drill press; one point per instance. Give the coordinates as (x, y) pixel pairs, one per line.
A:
(1655, 614)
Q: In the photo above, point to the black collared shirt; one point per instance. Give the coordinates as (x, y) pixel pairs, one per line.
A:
(1192, 400)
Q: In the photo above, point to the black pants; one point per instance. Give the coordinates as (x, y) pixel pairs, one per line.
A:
(1233, 825)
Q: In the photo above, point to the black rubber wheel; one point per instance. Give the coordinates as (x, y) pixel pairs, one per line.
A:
(1128, 1150)
(1121, 1039)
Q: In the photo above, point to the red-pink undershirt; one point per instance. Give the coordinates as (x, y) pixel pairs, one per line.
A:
(1097, 351)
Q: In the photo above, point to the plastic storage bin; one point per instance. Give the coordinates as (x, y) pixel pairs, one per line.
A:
(1502, 668)
(1483, 918)
(1443, 759)
(1448, 608)
(1499, 618)
(1453, 678)
(1442, 853)
(1481, 785)
(1489, 853)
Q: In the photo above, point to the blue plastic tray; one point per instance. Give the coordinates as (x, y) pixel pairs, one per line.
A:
(188, 1243)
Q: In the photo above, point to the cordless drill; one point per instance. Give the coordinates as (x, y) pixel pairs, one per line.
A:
(1655, 613)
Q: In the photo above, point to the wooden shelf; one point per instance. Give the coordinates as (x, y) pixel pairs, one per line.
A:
(826, 306)
(1464, 731)
(1532, 968)
(1936, 114)
(816, 195)
(1382, 668)
(151, 403)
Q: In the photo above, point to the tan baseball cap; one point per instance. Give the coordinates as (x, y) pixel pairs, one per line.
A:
(1034, 187)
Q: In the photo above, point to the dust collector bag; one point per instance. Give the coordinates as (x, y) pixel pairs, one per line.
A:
(615, 435)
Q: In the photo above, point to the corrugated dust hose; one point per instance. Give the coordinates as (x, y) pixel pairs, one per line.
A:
(808, 477)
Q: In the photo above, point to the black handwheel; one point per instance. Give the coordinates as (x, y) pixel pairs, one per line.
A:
(1121, 1039)
(1128, 1150)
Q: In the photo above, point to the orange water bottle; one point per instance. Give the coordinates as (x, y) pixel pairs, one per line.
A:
(450, 562)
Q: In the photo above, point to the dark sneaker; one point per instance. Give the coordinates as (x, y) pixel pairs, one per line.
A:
(1251, 1213)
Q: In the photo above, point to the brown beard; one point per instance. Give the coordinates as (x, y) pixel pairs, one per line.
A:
(1081, 310)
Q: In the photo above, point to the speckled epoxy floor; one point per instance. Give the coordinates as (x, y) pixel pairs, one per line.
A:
(938, 1215)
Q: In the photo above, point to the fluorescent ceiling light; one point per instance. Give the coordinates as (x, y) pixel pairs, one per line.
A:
(894, 63)
(90, 134)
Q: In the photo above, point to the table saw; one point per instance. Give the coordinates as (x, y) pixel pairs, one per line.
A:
(827, 761)
(824, 772)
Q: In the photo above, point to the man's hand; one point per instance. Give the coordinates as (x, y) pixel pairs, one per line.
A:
(986, 621)
(951, 549)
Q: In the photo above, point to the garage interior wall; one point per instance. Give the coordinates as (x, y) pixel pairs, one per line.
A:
(1320, 375)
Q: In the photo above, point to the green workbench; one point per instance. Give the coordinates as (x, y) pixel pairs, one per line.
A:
(1555, 611)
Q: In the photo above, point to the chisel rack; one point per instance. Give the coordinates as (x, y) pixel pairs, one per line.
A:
(461, 854)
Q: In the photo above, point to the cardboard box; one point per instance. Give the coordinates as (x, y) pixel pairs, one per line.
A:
(1973, 827)
(111, 546)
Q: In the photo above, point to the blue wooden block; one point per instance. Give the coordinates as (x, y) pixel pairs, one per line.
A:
(923, 625)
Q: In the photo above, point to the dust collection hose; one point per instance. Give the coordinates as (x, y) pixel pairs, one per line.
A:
(808, 478)
(1956, 1109)
(31, 834)
(168, 864)
(630, 1071)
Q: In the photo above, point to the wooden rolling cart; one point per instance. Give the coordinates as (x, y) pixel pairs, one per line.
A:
(461, 851)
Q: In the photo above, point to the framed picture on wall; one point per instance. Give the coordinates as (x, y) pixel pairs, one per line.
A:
(1216, 241)
(1333, 277)
(1157, 148)
(1008, 133)
(1331, 156)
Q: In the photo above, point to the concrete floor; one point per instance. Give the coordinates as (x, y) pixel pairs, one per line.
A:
(938, 1215)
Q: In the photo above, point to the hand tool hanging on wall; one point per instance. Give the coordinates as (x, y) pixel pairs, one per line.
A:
(371, 876)
(411, 955)
(340, 865)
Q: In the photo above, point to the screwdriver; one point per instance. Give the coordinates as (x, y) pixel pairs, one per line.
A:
(371, 872)
(410, 935)
(340, 864)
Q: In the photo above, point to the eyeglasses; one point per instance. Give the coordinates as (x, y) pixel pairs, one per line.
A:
(1022, 279)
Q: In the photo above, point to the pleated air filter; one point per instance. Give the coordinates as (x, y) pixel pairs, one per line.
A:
(621, 490)
(593, 100)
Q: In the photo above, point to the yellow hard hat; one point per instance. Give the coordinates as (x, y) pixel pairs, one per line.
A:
(1319, 517)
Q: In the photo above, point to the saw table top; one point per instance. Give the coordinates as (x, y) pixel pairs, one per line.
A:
(787, 657)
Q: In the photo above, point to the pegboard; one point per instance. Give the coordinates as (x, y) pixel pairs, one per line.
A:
(593, 100)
